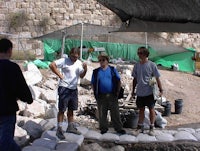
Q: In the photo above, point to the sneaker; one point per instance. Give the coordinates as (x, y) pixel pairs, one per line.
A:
(72, 129)
(122, 131)
(59, 133)
(151, 131)
(140, 129)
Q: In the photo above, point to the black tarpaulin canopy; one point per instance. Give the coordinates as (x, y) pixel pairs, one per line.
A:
(156, 15)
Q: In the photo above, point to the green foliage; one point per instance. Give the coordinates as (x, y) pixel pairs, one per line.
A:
(23, 55)
(17, 19)
(44, 22)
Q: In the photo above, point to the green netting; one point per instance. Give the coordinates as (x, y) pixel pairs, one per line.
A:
(184, 60)
(41, 64)
(118, 50)
(114, 50)
(51, 47)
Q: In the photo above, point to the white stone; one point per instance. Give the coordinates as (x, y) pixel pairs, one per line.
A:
(49, 96)
(67, 146)
(32, 75)
(37, 108)
(165, 137)
(33, 129)
(110, 137)
(51, 84)
(146, 138)
(51, 111)
(91, 134)
(45, 142)
(82, 129)
(21, 136)
(35, 91)
(197, 135)
(70, 137)
(183, 135)
(190, 130)
(35, 148)
(50, 135)
(127, 139)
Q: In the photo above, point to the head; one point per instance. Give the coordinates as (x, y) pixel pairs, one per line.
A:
(74, 54)
(5, 45)
(103, 59)
(143, 51)
(5, 48)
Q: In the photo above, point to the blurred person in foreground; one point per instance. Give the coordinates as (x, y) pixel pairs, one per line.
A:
(71, 69)
(106, 86)
(13, 87)
(143, 72)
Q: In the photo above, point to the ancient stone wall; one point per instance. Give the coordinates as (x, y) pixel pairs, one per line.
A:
(24, 19)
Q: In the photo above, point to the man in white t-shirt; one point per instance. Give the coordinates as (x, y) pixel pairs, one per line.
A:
(71, 70)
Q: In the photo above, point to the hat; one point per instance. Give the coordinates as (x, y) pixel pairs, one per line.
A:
(103, 55)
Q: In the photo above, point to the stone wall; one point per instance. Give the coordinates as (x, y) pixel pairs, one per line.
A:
(25, 19)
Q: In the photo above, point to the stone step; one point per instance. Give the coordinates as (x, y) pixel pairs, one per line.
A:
(73, 142)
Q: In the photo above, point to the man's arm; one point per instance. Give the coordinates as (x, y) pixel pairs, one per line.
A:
(133, 88)
(55, 70)
(85, 70)
(22, 90)
(159, 85)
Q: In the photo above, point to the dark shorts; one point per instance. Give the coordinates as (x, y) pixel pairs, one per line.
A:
(145, 101)
(68, 98)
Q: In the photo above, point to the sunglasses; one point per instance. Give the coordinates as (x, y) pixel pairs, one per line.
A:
(140, 53)
(102, 60)
(74, 57)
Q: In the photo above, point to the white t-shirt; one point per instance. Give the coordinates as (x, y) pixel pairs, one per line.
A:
(71, 72)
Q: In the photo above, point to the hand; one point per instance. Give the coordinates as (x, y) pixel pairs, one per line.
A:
(61, 77)
(85, 66)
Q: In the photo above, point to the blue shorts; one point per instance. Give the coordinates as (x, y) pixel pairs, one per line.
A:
(68, 98)
(143, 101)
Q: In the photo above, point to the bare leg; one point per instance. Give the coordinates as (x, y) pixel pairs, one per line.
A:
(60, 117)
(152, 116)
(70, 116)
(59, 132)
(152, 120)
(141, 116)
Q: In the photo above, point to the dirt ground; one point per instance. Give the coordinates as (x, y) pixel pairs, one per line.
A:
(185, 86)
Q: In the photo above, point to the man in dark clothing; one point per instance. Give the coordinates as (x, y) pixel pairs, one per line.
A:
(12, 87)
(106, 92)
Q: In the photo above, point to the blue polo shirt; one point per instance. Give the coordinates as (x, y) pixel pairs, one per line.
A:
(104, 78)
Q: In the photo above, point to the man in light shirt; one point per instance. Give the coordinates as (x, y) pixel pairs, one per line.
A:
(71, 70)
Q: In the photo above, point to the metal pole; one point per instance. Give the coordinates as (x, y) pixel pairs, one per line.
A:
(63, 44)
(146, 40)
(81, 48)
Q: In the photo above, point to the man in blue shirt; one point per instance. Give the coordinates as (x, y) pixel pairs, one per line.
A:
(106, 85)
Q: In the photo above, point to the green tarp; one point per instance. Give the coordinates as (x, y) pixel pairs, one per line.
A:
(127, 52)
